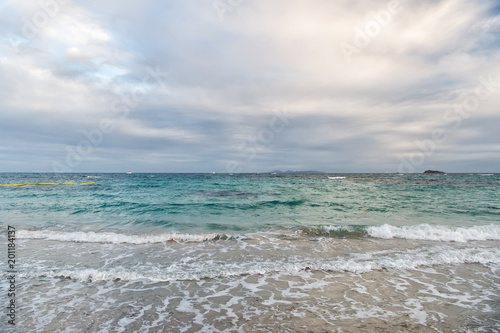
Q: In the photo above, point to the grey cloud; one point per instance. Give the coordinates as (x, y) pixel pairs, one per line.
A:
(225, 78)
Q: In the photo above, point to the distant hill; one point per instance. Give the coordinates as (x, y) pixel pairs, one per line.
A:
(290, 171)
(433, 171)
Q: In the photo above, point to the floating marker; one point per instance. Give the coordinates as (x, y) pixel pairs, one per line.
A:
(24, 184)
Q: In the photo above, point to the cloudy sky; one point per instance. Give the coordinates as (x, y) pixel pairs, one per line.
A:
(249, 85)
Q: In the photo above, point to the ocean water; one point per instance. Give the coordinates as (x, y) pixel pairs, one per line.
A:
(253, 252)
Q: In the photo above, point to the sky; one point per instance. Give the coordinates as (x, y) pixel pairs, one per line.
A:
(249, 86)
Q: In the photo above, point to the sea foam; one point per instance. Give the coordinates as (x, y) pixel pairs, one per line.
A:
(356, 263)
(114, 238)
(436, 232)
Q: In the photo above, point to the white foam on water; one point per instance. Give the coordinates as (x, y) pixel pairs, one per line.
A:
(94, 275)
(185, 306)
(436, 233)
(114, 238)
(412, 259)
(127, 294)
(201, 269)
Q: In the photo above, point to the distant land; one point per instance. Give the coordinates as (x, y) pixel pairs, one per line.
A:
(290, 171)
(320, 172)
(433, 171)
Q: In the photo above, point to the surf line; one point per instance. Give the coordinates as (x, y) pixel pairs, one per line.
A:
(24, 184)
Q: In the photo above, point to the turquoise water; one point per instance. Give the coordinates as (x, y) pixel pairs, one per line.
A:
(190, 203)
(254, 252)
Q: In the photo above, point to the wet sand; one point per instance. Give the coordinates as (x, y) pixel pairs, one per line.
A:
(448, 299)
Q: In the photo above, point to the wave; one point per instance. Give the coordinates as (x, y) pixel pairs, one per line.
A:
(350, 231)
(226, 194)
(416, 232)
(356, 263)
(115, 238)
(436, 233)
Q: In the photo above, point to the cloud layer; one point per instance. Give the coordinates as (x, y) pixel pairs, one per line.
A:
(240, 86)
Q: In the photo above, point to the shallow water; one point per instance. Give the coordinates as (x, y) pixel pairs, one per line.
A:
(256, 252)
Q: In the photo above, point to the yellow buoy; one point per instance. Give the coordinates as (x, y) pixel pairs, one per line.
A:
(90, 183)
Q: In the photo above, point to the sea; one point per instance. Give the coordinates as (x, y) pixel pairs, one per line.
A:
(269, 252)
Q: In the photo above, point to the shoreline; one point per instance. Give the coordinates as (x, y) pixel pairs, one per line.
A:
(316, 301)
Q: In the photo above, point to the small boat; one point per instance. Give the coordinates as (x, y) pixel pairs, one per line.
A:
(129, 172)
